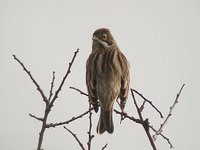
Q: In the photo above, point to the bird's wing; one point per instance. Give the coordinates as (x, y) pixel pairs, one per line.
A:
(91, 83)
(125, 80)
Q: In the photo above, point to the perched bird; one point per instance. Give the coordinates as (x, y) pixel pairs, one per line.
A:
(107, 77)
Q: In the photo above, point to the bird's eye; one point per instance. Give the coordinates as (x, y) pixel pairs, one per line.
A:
(104, 36)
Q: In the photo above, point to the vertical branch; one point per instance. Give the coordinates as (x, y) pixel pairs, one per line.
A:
(51, 88)
(41, 134)
(90, 136)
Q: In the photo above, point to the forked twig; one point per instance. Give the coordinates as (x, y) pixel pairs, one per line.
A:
(49, 102)
(163, 136)
(63, 81)
(148, 101)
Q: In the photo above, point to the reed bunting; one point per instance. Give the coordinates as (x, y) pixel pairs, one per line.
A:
(107, 77)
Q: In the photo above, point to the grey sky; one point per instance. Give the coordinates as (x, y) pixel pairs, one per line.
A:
(161, 40)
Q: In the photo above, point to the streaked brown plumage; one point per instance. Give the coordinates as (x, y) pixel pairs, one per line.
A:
(107, 77)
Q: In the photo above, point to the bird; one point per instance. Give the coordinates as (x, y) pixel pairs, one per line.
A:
(107, 78)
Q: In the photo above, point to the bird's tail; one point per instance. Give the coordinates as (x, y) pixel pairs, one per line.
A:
(105, 122)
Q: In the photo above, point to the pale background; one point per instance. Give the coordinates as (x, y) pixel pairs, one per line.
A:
(161, 40)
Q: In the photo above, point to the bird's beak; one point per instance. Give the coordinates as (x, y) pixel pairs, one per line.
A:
(94, 38)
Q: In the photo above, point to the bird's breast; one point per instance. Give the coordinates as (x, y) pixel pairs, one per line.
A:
(107, 64)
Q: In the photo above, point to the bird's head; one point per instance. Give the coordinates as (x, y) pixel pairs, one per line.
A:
(103, 37)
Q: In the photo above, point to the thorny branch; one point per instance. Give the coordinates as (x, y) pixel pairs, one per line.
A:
(49, 102)
(145, 123)
(53, 96)
(125, 115)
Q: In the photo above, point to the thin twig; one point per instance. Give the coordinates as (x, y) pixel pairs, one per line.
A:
(125, 115)
(90, 136)
(76, 89)
(51, 88)
(63, 81)
(104, 146)
(37, 118)
(48, 103)
(145, 99)
(142, 106)
(163, 136)
(68, 121)
(32, 78)
(77, 139)
(169, 114)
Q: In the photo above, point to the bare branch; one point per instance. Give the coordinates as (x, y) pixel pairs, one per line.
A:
(169, 114)
(90, 136)
(68, 121)
(142, 106)
(51, 88)
(31, 77)
(37, 118)
(104, 147)
(54, 95)
(145, 99)
(63, 81)
(145, 123)
(77, 139)
(163, 136)
(81, 92)
(125, 115)
(48, 103)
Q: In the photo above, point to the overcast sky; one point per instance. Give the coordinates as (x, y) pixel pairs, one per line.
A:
(161, 40)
